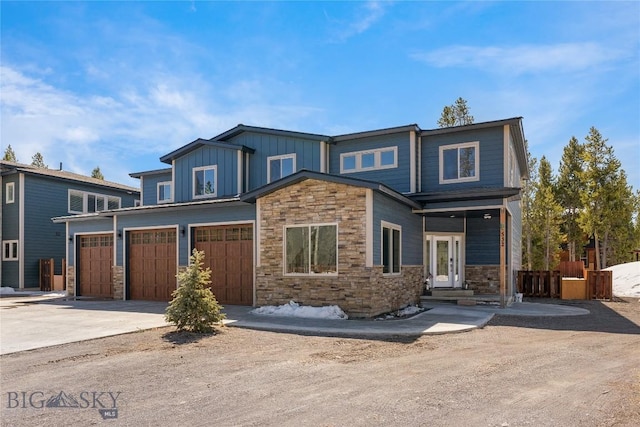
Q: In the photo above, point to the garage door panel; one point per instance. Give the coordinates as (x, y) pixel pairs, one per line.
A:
(152, 271)
(95, 264)
(228, 253)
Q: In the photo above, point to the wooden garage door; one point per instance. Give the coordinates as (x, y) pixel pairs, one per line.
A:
(228, 252)
(96, 259)
(152, 264)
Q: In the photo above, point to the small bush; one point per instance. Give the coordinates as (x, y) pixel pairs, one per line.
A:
(194, 307)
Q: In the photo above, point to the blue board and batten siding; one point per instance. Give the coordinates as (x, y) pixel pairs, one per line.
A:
(149, 185)
(397, 178)
(307, 153)
(483, 241)
(386, 209)
(226, 162)
(491, 152)
(10, 229)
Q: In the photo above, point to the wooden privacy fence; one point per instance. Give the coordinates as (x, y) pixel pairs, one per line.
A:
(48, 279)
(548, 284)
(599, 284)
(541, 283)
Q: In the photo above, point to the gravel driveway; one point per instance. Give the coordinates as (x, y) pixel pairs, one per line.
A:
(533, 371)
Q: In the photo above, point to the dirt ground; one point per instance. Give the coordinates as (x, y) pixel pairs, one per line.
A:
(517, 371)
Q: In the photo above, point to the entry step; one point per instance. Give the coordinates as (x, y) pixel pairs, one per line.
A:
(456, 293)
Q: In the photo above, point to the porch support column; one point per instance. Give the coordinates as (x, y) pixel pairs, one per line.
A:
(503, 279)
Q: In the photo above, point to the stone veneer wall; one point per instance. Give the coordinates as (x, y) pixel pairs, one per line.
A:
(483, 279)
(359, 290)
(71, 281)
(117, 282)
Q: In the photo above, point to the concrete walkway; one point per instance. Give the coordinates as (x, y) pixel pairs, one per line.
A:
(40, 320)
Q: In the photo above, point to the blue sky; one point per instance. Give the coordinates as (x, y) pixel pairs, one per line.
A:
(119, 84)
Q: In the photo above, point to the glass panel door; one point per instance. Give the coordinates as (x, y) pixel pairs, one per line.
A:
(442, 262)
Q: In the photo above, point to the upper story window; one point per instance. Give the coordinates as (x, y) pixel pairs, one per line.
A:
(311, 249)
(84, 202)
(391, 243)
(280, 166)
(205, 182)
(164, 192)
(10, 192)
(459, 162)
(10, 250)
(358, 161)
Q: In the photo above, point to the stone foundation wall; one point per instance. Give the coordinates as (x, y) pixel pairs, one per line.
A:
(359, 290)
(71, 281)
(483, 279)
(117, 282)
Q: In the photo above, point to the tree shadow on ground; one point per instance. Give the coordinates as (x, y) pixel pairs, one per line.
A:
(186, 337)
(619, 316)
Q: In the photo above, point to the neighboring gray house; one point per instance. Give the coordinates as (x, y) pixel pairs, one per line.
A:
(359, 220)
(30, 198)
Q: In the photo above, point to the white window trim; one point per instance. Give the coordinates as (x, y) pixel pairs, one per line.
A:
(280, 157)
(215, 182)
(163, 183)
(85, 201)
(391, 226)
(474, 144)
(10, 243)
(310, 273)
(376, 163)
(12, 186)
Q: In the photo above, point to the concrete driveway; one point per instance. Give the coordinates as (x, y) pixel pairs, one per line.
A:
(27, 323)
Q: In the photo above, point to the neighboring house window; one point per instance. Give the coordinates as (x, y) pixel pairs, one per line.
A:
(83, 202)
(10, 192)
(391, 242)
(359, 161)
(136, 203)
(10, 250)
(311, 249)
(459, 163)
(164, 192)
(205, 181)
(280, 166)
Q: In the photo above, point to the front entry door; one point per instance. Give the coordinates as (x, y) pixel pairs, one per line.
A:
(443, 261)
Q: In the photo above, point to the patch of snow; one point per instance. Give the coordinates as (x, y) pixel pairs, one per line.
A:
(293, 309)
(7, 290)
(626, 279)
(404, 312)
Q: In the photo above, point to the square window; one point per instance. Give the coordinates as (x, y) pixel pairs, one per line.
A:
(368, 160)
(281, 166)
(348, 163)
(459, 163)
(204, 182)
(387, 158)
(311, 249)
(10, 250)
(164, 192)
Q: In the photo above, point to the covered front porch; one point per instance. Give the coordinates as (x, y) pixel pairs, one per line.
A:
(469, 255)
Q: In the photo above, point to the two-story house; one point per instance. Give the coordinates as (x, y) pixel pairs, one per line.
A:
(30, 198)
(358, 220)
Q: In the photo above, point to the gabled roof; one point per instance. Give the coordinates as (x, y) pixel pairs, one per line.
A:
(377, 132)
(517, 134)
(151, 172)
(193, 145)
(305, 174)
(7, 167)
(244, 128)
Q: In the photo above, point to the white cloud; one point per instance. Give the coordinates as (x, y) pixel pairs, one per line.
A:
(526, 58)
(367, 15)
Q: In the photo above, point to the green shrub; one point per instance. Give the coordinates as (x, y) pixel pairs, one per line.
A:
(194, 307)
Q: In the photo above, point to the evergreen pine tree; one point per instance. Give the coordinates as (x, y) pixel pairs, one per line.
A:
(194, 307)
(10, 155)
